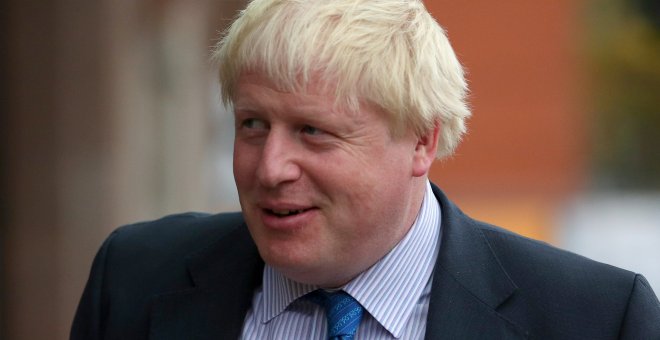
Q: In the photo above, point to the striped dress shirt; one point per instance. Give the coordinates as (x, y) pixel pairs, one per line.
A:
(394, 292)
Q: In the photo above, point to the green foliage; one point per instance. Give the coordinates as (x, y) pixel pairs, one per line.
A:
(624, 54)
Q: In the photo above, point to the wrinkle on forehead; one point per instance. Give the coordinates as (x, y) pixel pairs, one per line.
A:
(317, 84)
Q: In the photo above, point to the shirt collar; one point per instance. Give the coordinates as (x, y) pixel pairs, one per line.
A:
(390, 288)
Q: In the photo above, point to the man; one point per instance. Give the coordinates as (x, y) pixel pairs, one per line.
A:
(340, 108)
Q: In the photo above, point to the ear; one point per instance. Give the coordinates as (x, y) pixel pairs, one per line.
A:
(425, 150)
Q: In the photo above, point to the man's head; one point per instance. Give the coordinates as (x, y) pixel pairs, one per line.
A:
(390, 53)
(340, 108)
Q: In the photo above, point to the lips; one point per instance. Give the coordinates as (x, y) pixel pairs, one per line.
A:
(285, 212)
(287, 216)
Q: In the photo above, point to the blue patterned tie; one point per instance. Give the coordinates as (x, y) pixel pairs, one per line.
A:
(342, 311)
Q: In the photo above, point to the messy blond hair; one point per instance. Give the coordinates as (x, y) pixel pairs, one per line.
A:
(390, 53)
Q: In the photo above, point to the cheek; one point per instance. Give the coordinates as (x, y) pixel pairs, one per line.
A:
(244, 166)
(361, 177)
(380, 187)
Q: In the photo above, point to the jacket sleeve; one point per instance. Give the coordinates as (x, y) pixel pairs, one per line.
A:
(88, 321)
(642, 318)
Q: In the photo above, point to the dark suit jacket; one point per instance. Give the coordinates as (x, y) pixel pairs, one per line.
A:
(192, 276)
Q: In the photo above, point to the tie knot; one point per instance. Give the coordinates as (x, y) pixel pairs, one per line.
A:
(342, 311)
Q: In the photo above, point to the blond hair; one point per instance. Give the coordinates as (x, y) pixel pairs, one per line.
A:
(390, 53)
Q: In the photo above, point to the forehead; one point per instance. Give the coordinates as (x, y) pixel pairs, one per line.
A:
(316, 94)
(316, 104)
(253, 89)
(314, 84)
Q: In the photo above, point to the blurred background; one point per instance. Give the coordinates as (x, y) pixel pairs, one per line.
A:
(111, 115)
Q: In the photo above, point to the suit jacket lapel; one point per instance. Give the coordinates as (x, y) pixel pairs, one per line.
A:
(468, 283)
(225, 276)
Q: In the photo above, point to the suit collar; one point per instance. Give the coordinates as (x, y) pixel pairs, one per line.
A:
(467, 257)
(225, 276)
(469, 283)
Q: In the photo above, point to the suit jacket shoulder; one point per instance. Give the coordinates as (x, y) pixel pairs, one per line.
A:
(171, 237)
(140, 265)
(588, 298)
(495, 284)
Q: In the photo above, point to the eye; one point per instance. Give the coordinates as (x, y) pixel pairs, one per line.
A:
(310, 130)
(253, 124)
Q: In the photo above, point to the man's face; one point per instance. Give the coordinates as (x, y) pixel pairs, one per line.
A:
(325, 192)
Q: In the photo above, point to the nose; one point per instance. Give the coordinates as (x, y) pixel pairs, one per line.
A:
(278, 163)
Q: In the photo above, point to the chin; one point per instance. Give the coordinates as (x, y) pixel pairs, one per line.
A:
(298, 267)
(284, 256)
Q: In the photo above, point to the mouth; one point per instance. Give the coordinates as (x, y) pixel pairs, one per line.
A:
(285, 212)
